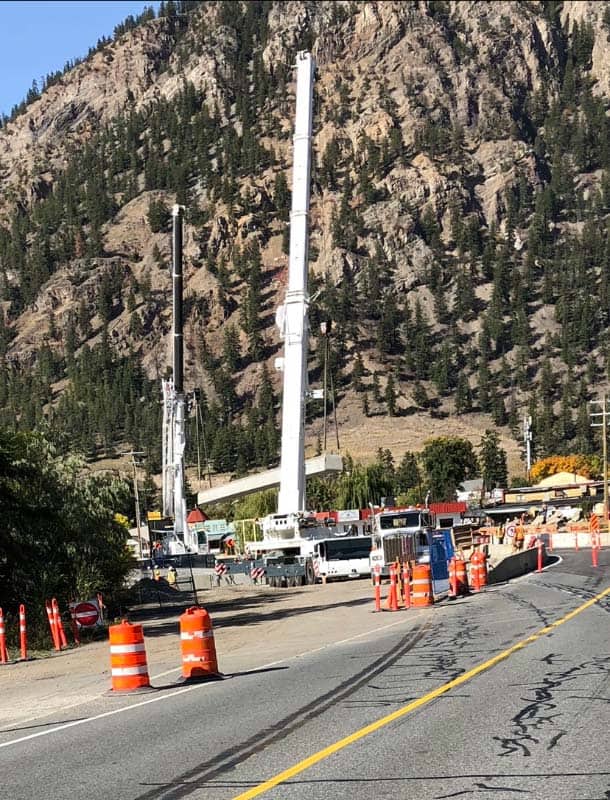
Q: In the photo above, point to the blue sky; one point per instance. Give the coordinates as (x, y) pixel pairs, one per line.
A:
(38, 37)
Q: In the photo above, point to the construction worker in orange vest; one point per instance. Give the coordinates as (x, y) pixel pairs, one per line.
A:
(519, 535)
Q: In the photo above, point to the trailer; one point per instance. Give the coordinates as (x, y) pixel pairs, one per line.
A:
(276, 570)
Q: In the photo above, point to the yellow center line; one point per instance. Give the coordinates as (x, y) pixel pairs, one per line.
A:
(301, 766)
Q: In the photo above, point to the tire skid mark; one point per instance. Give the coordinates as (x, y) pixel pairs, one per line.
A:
(227, 760)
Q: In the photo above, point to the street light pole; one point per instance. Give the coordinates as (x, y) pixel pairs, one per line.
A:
(527, 436)
(605, 458)
(133, 454)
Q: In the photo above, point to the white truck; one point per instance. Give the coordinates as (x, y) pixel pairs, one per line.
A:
(409, 535)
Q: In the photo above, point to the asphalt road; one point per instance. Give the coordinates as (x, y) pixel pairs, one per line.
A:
(525, 718)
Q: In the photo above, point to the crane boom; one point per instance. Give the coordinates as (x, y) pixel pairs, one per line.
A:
(292, 316)
(174, 412)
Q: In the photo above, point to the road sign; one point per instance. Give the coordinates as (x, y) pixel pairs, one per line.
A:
(86, 614)
(511, 531)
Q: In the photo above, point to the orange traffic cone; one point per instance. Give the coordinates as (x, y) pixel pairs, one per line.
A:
(128, 665)
(199, 660)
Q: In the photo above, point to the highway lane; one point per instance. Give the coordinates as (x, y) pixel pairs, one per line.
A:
(532, 725)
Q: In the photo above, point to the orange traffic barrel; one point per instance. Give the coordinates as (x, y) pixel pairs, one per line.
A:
(461, 575)
(453, 583)
(197, 644)
(128, 664)
(478, 571)
(421, 582)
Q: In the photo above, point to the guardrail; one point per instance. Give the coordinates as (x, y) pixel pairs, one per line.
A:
(516, 564)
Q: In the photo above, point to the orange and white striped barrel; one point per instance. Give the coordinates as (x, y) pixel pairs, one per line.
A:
(128, 665)
(197, 645)
(3, 650)
(462, 575)
(478, 571)
(453, 583)
(421, 583)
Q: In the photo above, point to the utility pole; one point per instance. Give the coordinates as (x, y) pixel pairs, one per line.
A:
(325, 330)
(134, 464)
(599, 417)
(527, 438)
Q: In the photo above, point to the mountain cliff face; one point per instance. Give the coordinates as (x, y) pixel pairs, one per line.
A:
(459, 238)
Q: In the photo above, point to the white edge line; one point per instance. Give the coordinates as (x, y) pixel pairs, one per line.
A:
(158, 698)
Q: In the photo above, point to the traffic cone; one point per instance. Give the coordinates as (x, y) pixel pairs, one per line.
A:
(23, 634)
(3, 650)
(406, 584)
(128, 664)
(52, 625)
(377, 584)
(199, 661)
(61, 634)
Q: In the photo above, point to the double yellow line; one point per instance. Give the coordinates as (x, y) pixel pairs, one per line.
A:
(256, 791)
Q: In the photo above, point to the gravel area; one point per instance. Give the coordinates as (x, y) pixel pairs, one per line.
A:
(253, 626)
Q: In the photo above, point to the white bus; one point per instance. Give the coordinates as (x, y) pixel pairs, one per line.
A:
(342, 557)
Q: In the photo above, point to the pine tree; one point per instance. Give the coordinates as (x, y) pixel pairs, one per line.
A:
(376, 389)
(492, 459)
(408, 475)
(463, 395)
(390, 396)
(281, 196)
(231, 348)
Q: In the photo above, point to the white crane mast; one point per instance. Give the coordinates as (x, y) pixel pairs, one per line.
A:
(174, 413)
(292, 316)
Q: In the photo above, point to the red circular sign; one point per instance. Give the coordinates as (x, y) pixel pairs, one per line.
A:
(86, 614)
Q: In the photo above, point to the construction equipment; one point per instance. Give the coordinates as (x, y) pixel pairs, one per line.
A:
(180, 539)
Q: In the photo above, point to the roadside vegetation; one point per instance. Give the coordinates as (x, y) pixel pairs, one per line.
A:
(62, 533)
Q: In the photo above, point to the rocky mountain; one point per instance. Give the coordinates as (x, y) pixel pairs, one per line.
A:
(459, 225)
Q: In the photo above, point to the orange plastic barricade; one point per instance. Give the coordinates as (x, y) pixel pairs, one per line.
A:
(3, 650)
(421, 595)
(197, 644)
(128, 665)
(23, 634)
